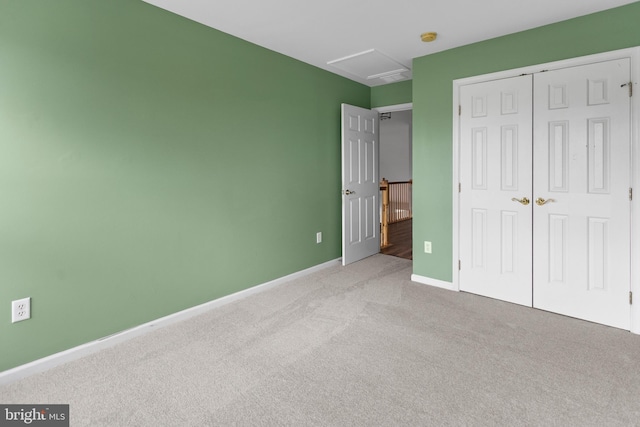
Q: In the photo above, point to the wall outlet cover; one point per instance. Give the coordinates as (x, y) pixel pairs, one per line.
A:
(20, 310)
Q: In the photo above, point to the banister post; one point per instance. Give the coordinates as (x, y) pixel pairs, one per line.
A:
(384, 228)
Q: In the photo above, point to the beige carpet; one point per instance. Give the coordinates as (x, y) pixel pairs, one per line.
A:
(355, 346)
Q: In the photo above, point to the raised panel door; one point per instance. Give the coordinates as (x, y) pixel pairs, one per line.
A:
(495, 169)
(582, 175)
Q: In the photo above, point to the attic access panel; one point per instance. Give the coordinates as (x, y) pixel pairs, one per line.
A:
(370, 64)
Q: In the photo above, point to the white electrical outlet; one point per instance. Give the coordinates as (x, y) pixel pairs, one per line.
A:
(319, 237)
(427, 247)
(20, 310)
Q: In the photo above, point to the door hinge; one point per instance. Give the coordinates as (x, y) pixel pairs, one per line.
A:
(630, 84)
(630, 193)
(459, 110)
(459, 188)
(630, 298)
(459, 265)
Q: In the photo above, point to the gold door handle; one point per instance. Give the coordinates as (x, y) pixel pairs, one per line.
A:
(524, 200)
(347, 192)
(540, 201)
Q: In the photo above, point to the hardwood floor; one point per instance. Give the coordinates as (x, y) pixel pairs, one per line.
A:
(400, 240)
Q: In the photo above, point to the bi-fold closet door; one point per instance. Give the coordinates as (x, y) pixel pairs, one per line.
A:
(544, 209)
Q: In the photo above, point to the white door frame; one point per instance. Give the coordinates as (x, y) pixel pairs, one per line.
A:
(634, 55)
(394, 108)
(383, 109)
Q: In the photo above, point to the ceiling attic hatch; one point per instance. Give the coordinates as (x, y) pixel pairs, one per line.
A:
(372, 65)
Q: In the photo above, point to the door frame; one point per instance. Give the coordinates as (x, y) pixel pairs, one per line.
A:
(382, 109)
(394, 108)
(634, 55)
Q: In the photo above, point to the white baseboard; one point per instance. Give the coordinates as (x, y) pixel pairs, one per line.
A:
(74, 353)
(433, 282)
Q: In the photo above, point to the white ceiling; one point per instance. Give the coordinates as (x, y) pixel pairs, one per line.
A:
(318, 32)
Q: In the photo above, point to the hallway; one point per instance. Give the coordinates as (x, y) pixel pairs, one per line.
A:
(400, 240)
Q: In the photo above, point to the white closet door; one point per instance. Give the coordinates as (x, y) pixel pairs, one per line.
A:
(495, 168)
(582, 171)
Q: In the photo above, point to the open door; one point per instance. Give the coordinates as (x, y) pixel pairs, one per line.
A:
(360, 186)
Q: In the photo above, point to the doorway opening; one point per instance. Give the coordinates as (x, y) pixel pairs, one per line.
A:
(396, 169)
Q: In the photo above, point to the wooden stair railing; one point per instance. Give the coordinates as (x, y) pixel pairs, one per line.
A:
(400, 195)
(396, 206)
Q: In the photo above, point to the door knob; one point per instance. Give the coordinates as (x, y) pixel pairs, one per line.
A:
(540, 201)
(347, 192)
(524, 200)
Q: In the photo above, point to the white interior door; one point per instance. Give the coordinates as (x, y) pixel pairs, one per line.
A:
(578, 222)
(495, 183)
(582, 170)
(360, 184)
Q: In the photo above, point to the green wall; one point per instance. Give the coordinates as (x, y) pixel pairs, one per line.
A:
(433, 77)
(391, 94)
(149, 164)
